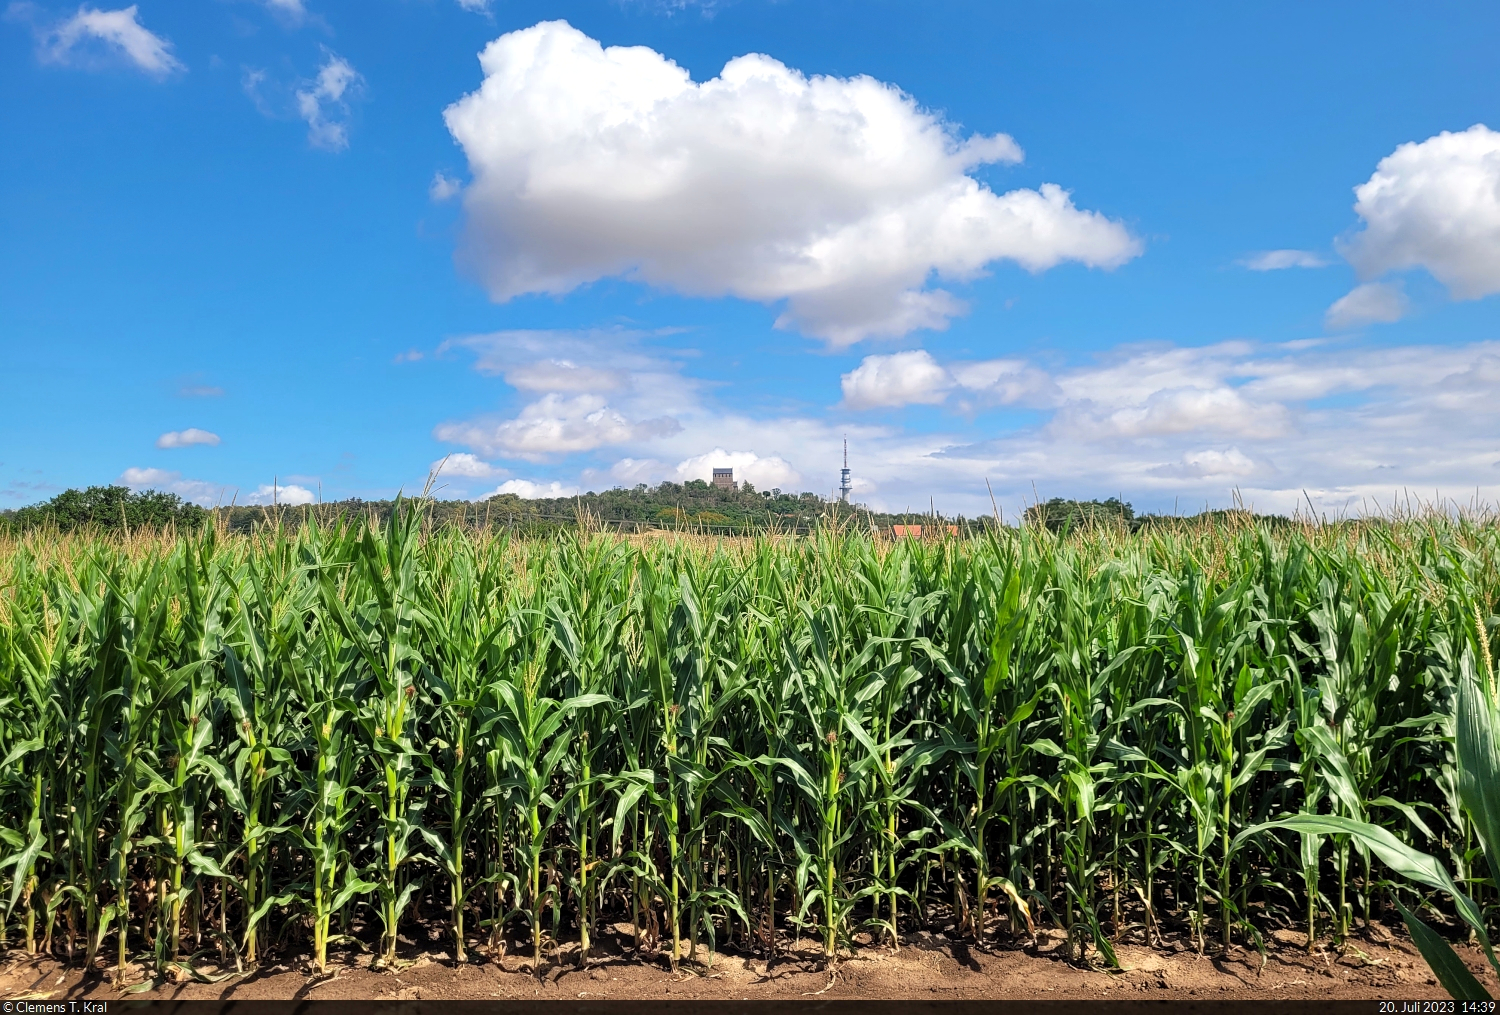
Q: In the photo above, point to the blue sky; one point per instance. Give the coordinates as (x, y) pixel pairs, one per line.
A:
(1178, 253)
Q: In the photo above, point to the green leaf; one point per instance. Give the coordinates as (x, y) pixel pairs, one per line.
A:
(1477, 739)
(23, 864)
(351, 889)
(1395, 854)
(207, 865)
(1450, 970)
(18, 752)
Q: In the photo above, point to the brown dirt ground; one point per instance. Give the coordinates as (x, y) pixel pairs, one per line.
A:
(928, 967)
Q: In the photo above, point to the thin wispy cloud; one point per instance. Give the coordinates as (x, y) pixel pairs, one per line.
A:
(443, 187)
(589, 390)
(200, 391)
(324, 102)
(1190, 419)
(1279, 260)
(94, 39)
(707, 8)
(324, 105)
(187, 438)
(291, 10)
(1371, 303)
(1156, 420)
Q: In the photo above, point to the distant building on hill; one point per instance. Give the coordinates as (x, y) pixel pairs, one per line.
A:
(724, 479)
(845, 486)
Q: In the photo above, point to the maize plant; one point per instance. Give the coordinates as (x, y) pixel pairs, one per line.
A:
(354, 736)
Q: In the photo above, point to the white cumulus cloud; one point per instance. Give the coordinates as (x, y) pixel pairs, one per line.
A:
(1434, 204)
(915, 378)
(1371, 303)
(187, 438)
(903, 378)
(465, 465)
(94, 37)
(1209, 464)
(764, 473)
(324, 103)
(637, 470)
(1278, 260)
(528, 490)
(138, 477)
(840, 196)
(554, 424)
(290, 495)
(198, 491)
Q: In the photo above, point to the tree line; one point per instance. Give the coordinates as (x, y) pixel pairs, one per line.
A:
(691, 506)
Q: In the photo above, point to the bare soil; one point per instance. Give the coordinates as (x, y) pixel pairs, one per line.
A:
(927, 967)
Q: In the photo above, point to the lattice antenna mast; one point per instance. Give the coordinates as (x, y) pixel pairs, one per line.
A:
(845, 487)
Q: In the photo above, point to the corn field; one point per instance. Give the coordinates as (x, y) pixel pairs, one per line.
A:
(357, 736)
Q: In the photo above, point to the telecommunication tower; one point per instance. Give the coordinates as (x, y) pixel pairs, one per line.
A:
(845, 487)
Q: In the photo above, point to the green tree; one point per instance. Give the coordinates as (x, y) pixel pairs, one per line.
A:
(110, 508)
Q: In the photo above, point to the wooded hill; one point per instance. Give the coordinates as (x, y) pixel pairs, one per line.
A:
(694, 506)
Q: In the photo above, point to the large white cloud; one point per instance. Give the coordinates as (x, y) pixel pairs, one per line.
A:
(903, 378)
(1434, 204)
(528, 490)
(840, 196)
(198, 491)
(92, 36)
(764, 473)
